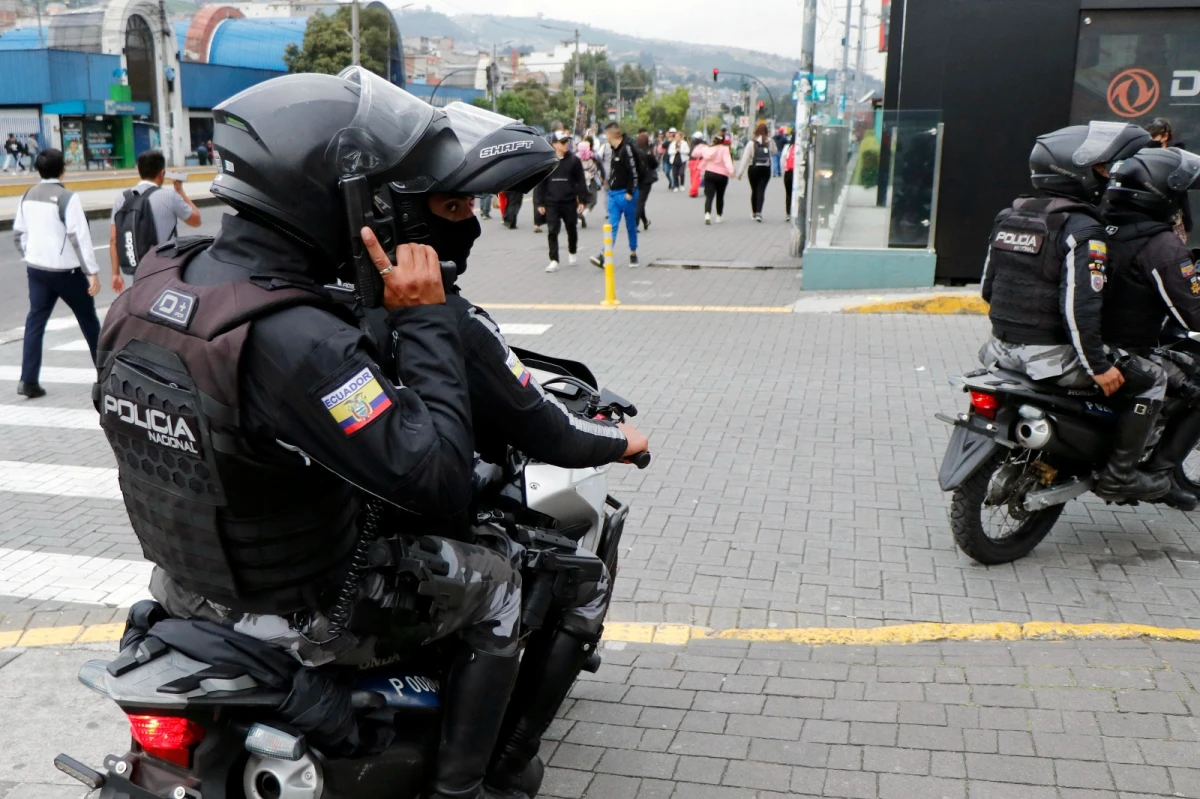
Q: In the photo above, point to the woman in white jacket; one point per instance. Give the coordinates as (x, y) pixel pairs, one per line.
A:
(678, 151)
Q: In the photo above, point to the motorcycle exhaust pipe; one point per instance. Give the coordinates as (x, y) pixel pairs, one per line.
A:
(1033, 429)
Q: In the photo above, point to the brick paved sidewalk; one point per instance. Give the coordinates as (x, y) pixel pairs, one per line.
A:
(728, 720)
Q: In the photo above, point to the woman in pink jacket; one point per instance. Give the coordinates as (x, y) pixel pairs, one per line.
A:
(717, 165)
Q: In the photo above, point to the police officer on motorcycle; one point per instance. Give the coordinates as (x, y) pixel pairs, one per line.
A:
(1152, 280)
(510, 408)
(255, 429)
(1045, 277)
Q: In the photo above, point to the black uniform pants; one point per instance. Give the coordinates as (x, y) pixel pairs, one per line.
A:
(788, 178)
(557, 215)
(759, 176)
(643, 193)
(46, 288)
(714, 186)
(512, 207)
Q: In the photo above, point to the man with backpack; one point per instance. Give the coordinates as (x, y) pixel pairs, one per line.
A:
(145, 216)
(51, 232)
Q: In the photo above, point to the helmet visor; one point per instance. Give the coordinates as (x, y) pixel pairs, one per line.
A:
(473, 124)
(1186, 173)
(1104, 141)
(388, 124)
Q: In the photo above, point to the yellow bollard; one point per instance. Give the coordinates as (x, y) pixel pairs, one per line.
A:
(610, 274)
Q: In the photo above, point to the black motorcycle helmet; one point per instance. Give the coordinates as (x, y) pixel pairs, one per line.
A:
(1063, 162)
(285, 144)
(1153, 182)
(501, 154)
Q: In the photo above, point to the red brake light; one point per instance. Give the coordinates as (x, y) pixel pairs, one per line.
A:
(984, 404)
(169, 738)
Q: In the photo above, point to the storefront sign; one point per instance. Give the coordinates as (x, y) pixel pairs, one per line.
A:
(1133, 66)
(119, 108)
(72, 143)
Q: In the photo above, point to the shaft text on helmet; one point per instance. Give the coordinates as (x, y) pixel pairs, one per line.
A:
(501, 149)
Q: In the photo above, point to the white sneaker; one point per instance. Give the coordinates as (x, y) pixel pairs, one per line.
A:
(552, 266)
(719, 219)
(572, 260)
(708, 219)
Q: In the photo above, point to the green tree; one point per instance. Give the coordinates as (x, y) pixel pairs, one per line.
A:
(666, 111)
(327, 47)
(597, 71)
(514, 105)
(635, 82)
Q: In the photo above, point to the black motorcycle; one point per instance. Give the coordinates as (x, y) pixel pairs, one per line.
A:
(202, 731)
(1022, 451)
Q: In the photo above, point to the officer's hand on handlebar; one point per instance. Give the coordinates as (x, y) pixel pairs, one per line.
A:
(416, 279)
(1110, 381)
(636, 440)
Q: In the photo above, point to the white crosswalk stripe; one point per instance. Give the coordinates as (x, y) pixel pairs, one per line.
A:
(37, 415)
(57, 323)
(518, 329)
(56, 480)
(73, 578)
(53, 374)
(78, 345)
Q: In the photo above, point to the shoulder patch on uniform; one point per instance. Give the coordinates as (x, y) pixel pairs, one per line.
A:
(1187, 268)
(517, 368)
(357, 402)
(1097, 281)
(174, 306)
(1097, 250)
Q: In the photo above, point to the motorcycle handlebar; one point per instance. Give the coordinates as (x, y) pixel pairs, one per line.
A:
(640, 459)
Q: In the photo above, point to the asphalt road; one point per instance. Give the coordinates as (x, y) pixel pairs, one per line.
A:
(14, 302)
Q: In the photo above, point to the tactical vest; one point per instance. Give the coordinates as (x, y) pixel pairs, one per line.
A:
(1026, 265)
(240, 522)
(1133, 308)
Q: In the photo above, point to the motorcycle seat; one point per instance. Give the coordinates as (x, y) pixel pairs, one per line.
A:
(1006, 379)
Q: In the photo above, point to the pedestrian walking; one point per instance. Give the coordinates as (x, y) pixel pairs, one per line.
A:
(717, 165)
(144, 217)
(539, 218)
(756, 163)
(51, 232)
(621, 173)
(32, 148)
(560, 197)
(12, 154)
(649, 173)
(678, 152)
(591, 173)
(202, 154)
(485, 205)
(510, 207)
(788, 159)
(695, 173)
(781, 139)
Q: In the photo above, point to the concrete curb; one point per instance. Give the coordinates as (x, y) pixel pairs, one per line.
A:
(98, 211)
(680, 634)
(80, 183)
(942, 304)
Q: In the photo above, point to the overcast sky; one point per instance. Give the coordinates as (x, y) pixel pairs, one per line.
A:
(770, 25)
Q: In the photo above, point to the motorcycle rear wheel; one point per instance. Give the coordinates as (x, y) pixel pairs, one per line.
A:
(970, 519)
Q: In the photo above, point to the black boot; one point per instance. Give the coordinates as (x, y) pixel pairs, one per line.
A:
(1121, 478)
(1178, 439)
(549, 670)
(476, 694)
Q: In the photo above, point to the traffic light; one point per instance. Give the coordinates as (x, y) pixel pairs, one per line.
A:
(716, 72)
(761, 106)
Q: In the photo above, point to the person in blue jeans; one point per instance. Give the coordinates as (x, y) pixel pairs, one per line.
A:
(622, 173)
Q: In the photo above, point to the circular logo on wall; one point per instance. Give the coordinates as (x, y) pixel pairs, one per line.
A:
(1133, 93)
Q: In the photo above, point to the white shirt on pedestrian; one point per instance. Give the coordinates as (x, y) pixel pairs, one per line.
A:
(45, 241)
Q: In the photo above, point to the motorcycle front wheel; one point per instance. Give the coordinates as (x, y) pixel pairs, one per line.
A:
(1000, 533)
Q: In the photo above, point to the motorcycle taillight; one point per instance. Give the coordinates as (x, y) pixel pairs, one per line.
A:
(984, 404)
(169, 738)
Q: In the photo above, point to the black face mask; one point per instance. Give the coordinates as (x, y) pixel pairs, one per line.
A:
(452, 240)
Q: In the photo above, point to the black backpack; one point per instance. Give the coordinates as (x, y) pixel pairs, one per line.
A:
(762, 154)
(136, 233)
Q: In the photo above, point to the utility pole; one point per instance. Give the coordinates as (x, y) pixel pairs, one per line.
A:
(492, 82)
(859, 83)
(843, 81)
(354, 33)
(808, 49)
(618, 96)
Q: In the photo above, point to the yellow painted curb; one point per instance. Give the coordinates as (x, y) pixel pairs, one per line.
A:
(670, 308)
(680, 634)
(90, 184)
(940, 304)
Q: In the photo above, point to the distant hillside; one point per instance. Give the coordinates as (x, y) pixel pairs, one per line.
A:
(483, 30)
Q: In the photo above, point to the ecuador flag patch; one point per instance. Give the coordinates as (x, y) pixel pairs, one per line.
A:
(357, 402)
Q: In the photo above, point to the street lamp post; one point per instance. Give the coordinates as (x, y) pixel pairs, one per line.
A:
(449, 74)
(578, 70)
(760, 83)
